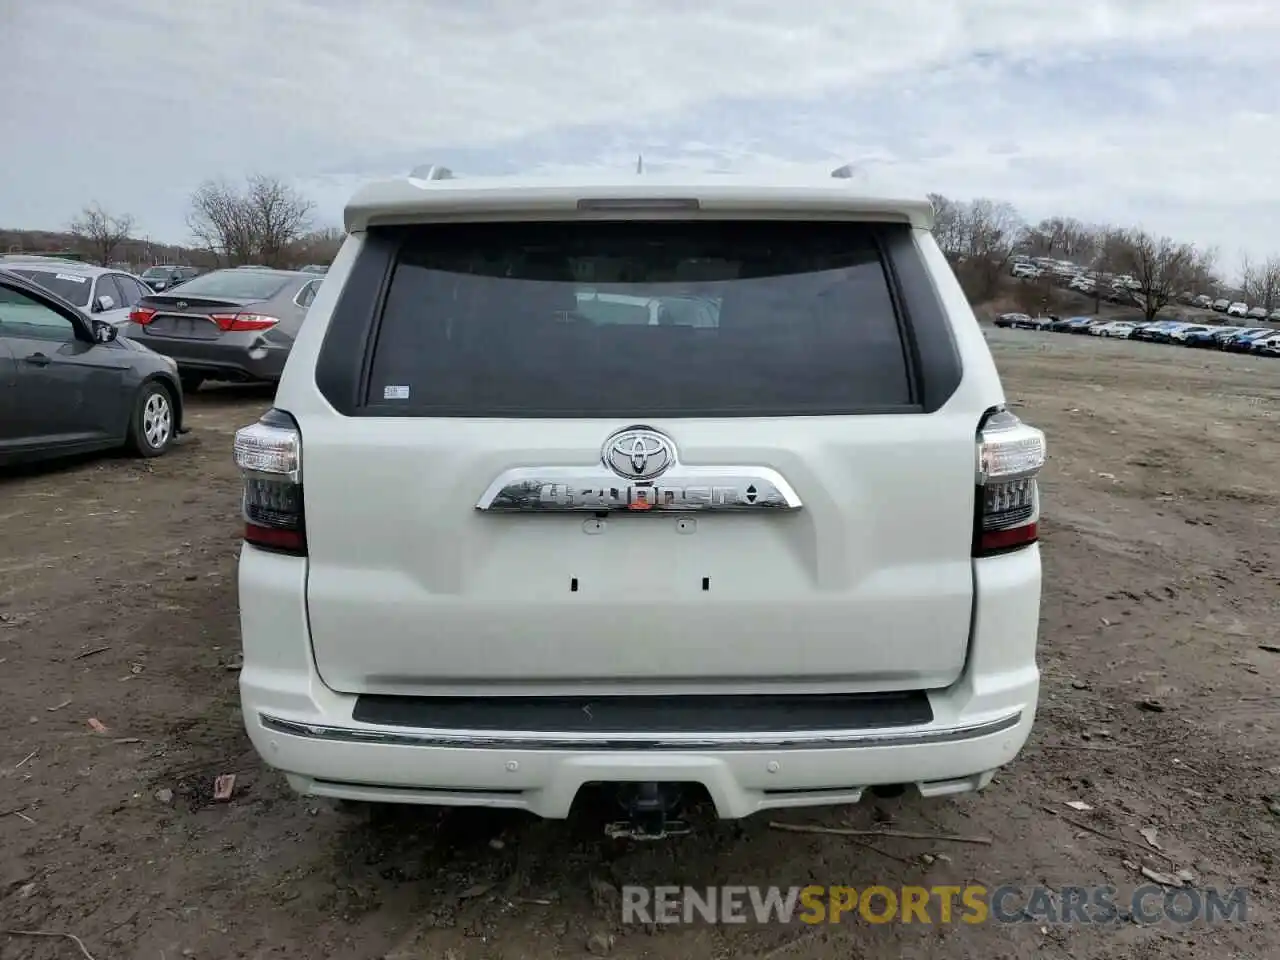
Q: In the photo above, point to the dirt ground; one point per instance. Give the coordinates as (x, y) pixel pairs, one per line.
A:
(1159, 709)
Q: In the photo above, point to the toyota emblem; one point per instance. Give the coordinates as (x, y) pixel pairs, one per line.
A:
(638, 453)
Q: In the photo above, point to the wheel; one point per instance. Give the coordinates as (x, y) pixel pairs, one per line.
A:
(191, 382)
(151, 429)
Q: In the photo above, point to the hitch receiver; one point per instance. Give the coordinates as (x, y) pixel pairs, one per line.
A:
(649, 807)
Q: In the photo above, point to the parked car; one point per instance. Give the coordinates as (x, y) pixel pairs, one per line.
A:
(1210, 337)
(1221, 305)
(382, 645)
(1169, 332)
(165, 276)
(1018, 321)
(1026, 271)
(1203, 302)
(1079, 324)
(1267, 346)
(319, 268)
(1238, 309)
(1243, 342)
(227, 324)
(1257, 313)
(1155, 331)
(97, 292)
(1115, 328)
(1180, 334)
(74, 384)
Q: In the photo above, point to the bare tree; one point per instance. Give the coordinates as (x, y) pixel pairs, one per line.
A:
(947, 229)
(987, 233)
(256, 224)
(1260, 283)
(318, 246)
(1063, 237)
(101, 232)
(1161, 266)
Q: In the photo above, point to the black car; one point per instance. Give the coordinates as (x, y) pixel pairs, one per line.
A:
(165, 277)
(70, 384)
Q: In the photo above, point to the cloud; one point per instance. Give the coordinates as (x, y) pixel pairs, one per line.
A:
(1163, 113)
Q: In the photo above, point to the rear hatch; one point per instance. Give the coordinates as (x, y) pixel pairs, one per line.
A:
(766, 479)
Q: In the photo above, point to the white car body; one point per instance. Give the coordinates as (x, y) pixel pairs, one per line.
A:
(1238, 309)
(1267, 345)
(492, 598)
(1116, 328)
(1181, 333)
(1025, 271)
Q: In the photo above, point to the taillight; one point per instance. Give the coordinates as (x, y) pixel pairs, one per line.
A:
(269, 455)
(240, 322)
(142, 315)
(1010, 455)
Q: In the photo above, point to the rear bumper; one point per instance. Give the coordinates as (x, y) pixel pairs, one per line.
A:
(233, 356)
(306, 730)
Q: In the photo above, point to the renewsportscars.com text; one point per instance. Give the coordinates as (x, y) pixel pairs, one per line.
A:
(943, 904)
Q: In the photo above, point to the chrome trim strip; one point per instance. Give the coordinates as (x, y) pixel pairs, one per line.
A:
(495, 740)
(680, 489)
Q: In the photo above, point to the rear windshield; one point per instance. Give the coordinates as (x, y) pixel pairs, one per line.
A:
(246, 284)
(67, 285)
(634, 319)
(158, 271)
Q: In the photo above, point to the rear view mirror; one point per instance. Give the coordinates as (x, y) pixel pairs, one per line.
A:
(105, 303)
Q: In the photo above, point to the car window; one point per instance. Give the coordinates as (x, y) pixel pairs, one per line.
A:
(22, 316)
(628, 319)
(130, 290)
(247, 284)
(307, 294)
(106, 287)
(69, 286)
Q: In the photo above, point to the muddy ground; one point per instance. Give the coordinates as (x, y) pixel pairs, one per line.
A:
(1159, 710)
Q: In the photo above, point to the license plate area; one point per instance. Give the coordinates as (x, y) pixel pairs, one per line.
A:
(184, 328)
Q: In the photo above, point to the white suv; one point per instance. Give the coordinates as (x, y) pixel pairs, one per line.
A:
(646, 484)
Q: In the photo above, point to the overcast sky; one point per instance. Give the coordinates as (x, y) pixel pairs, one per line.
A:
(1163, 113)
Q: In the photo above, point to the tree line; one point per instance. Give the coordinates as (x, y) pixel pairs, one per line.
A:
(261, 221)
(266, 221)
(981, 238)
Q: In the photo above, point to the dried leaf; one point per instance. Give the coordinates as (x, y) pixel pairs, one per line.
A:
(97, 725)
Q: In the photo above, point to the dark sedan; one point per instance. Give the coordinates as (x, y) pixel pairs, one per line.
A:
(164, 276)
(236, 324)
(70, 384)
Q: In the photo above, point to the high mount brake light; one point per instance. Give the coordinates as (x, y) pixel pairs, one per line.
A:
(269, 455)
(1010, 455)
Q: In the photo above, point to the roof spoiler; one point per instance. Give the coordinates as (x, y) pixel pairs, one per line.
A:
(431, 171)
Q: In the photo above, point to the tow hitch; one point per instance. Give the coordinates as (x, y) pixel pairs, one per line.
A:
(649, 808)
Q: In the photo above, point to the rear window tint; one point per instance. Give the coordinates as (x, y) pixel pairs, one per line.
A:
(603, 319)
(245, 284)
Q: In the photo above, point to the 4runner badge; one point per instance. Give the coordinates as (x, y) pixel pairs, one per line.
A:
(638, 471)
